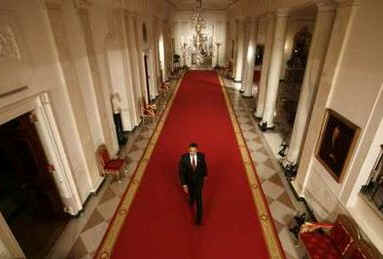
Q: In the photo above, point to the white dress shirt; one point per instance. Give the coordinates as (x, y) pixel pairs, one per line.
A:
(193, 159)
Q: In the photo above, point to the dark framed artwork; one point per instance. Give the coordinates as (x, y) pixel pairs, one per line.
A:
(336, 143)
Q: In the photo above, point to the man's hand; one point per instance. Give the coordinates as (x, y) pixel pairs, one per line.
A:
(186, 190)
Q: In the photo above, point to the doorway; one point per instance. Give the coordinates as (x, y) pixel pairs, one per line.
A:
(147, 77)
(232, 49)
(29, 199)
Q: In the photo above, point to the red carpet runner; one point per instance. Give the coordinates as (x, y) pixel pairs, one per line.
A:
(159, 224)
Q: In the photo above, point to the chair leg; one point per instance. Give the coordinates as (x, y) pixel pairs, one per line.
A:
(117, 177)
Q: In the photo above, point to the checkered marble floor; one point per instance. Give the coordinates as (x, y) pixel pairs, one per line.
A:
(85, 233)
(279, 197)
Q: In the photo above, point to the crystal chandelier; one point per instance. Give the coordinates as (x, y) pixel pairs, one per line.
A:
(199, 25)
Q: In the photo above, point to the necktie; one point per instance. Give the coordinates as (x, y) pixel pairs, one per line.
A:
(194, 162)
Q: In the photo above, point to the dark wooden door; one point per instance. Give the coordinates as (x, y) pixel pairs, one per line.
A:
(25, 152)
(147, 77)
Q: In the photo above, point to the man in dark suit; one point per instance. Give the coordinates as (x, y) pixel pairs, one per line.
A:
(192, 171)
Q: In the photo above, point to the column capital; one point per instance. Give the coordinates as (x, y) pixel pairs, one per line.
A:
(283, 12)
(254, 19)
(240, 18)
(325, 5)
(129, 14)
(267, 16)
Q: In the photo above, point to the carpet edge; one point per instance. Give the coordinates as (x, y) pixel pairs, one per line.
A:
(264, 215)
(105, 249)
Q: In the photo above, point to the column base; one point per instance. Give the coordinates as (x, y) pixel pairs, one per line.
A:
(259, 118)
(283, 149)
(264, 127)
(290, 169)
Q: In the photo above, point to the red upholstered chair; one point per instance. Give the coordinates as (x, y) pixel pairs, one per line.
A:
(329, 241)
(165, 86)
(148, 110)
(361, 249)
(164, 89)
(109, 166)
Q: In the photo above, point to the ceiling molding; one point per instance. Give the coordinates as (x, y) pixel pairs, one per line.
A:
(229, 5)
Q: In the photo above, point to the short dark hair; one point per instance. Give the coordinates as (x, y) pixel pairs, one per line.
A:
(193, 145)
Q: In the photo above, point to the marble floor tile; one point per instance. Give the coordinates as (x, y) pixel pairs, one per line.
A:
(281, 212)
(272, 190)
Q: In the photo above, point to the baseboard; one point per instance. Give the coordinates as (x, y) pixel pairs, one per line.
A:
(90, 195)
(301, 199)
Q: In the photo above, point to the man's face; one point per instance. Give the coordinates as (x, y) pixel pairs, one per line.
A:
(193, 150)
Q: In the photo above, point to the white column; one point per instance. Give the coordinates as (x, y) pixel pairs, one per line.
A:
(262, 88)
(318, 49)
(250, 59)
(154, 57)
(246, 41)
(240, 50)
(128, 71)
(136, 74)
(275, 69)
(234, 44)
(227, 44)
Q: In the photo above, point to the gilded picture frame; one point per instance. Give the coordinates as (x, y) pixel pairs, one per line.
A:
(336, 143)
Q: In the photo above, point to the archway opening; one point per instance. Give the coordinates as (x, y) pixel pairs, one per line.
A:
(29, 198)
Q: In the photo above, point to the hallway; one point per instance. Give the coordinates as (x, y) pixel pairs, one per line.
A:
(159, 205)
(268, 170)
(269, 92)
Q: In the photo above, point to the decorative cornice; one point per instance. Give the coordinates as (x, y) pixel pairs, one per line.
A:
(231, 5)
(14, 91)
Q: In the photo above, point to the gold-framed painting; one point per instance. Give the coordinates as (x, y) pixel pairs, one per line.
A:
(336, 143)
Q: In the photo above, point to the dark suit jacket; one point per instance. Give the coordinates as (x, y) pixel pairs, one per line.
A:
(187, 174)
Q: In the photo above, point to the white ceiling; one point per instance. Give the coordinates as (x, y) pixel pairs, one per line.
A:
(206, 4)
